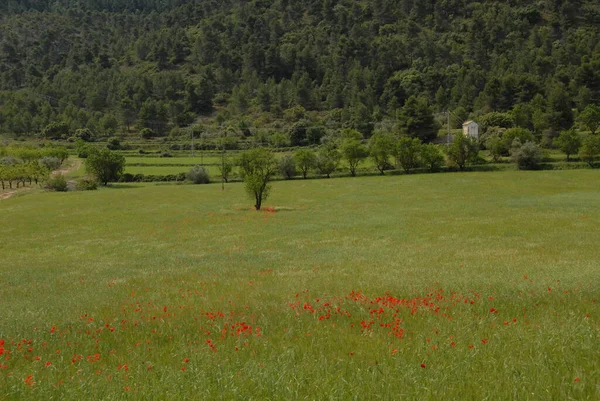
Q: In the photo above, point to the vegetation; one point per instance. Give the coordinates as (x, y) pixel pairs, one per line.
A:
(462, 150)
(526, 156)
(477, 245)
(105, 165)
(198, 175)
(294, 67)
(258, 167)
(569, 142)
(590, 150)
(57, 182)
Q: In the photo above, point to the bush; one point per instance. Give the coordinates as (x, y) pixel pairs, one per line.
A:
(527, 156)
(57, 182)
(590, 150)
(51, 163)
(114, 144)
(87, 184)
(147, 133)
(198, 175)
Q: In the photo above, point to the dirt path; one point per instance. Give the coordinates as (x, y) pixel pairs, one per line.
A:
(76, 164)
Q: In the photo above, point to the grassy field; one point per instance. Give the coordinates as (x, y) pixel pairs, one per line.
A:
(443, 286)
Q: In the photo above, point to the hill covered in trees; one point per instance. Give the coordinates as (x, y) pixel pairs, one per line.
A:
(115, 65)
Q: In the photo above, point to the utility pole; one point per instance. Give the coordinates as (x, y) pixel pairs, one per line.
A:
(223, 164)
(448, 115)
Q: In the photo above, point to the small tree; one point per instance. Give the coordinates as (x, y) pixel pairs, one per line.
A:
(328, 160)
(105, 165)
(462, 150)
(494, 145)
(381, 148)
(407, 153)
(198, 175)
(509, 136)
(287, 167)
(431, 157)
(568, 142)
(225, 169)
(590, 117)
(257, 167)
(354, 152)
(526, 156)
(306, 160)
(590, 149)
(56, 130)
(147, 133)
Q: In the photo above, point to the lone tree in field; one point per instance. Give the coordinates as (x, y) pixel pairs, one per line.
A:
(257, 166)
(105, 165)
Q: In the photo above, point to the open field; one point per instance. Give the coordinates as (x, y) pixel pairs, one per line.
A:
(437, 286)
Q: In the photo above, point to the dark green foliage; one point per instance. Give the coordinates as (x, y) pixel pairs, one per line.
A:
(198, 175)
(495, 119)
(147, 133)
(590, 118)
(416, 120)
(56, 130)
(527, 156)
(84, 134)
(110, 65)
(106, 166)
(113, 144)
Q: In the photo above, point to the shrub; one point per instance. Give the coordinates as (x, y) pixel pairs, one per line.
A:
(51, 163)
(84, 134)
(198, 175)
(527, 156)
(57, 182)
(114, 144)
(105, 165)
(147, 133)
(87, 184)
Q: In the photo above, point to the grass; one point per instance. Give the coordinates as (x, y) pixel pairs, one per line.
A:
(445, 286)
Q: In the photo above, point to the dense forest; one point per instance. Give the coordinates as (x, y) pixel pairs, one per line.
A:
(122, 65)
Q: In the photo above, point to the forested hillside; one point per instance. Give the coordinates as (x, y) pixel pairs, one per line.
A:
(117, 65)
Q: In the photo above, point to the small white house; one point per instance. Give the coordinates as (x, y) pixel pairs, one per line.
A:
(471, 129)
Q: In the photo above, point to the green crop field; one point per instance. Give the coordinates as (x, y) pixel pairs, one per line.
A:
(437, 286)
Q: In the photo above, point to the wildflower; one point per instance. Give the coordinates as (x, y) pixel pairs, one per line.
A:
(484, 341)
(493, 310)
(423, 365)
(186, 360)
(577, 380)
(48, 363)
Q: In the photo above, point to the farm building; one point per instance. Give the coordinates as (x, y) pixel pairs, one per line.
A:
(471, 129)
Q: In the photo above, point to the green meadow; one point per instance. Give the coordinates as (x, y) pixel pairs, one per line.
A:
(435, 286)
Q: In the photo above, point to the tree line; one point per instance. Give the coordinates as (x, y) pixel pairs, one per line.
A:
(111, 66)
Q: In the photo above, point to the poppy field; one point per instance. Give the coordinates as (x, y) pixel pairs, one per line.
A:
(444, 286)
